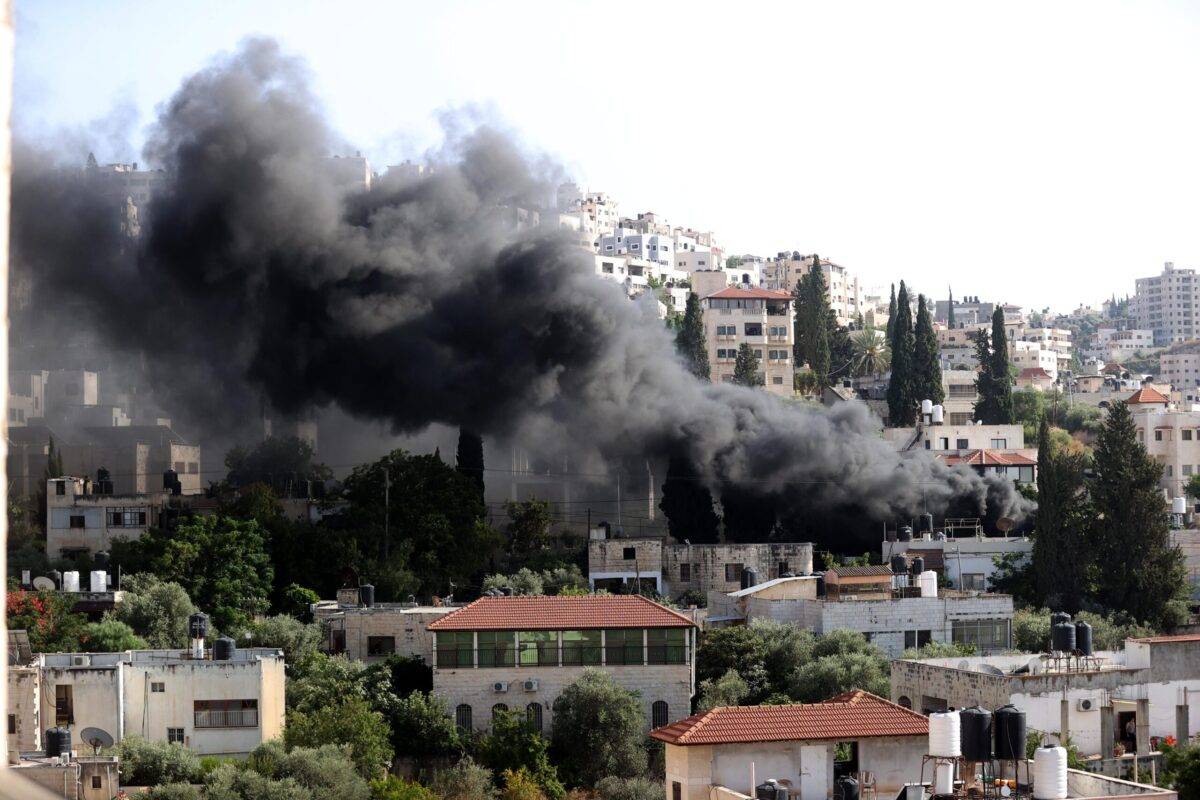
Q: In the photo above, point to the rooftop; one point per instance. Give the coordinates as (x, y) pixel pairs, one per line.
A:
(736, 293)
(561, 613)
(872, 571)
(852, 715)
(1000, 458)
(758, 587)
(111, 660)
(1147, 394)
(1035, 372)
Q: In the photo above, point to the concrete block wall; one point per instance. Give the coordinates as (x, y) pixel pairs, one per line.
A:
(671, 683)
(409, 628)
(931, 686)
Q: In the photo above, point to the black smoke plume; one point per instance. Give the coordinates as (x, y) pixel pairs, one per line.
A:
(415, 302)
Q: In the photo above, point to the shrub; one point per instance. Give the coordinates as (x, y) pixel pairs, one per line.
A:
(466, 780)
(613, 788)
(146, 763)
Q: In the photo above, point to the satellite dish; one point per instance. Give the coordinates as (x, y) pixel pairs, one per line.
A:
(1004, 524)
(991, 668)
(964, 665)
(97, 738)
(43, 584)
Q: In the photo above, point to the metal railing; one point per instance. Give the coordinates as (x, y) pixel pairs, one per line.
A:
(227, 718)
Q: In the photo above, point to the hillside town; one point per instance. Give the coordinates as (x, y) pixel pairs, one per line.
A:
(455, 478)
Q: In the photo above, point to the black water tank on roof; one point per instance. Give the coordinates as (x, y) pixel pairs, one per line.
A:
(845, 788)
(820, 584)
(899, 565)
(223, 649)
(55, 576)
(100, 560)
(1059, 617)
(198, 625)
(366, 595)
(975, 724)
(918, 565)
(1062, 638)
(1083, 637)
(926, 522)
(1009, 724)
(749, 577)
(905, 533)
(58, 741)
(770, 790)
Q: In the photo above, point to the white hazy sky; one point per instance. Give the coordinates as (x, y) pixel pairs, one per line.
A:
(1041, 153)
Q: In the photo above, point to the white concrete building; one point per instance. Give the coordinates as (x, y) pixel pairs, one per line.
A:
(845, 294)
(967, 562)
(1113, 344)
(1171, 436)
(653, 247)
(520, 653)
(80, 520)
(761, 318)
(1168, 304)
(1031, 355)
(1151, 688)
(212, 707)
(1181, 370)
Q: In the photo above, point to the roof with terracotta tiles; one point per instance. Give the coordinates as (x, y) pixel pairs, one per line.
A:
(1148, 394)
(560, 613)
(1035, 372)
(873, 570)
(1179, 637)
(736, 293)
(989, 458)
(852, 715)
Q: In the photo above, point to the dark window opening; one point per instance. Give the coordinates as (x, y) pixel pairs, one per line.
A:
(733, 573)
(629, 553)
(64, 705)
(381, 645)
(783, 567)
(685, 573)
(917, 638)
(76, 521)
(659, 714)
(533, 715)
(462, 717)
(96, 782)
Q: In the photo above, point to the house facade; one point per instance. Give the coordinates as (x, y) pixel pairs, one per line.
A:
(760, 318)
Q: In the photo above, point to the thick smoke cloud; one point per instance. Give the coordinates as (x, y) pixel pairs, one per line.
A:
(416, 303)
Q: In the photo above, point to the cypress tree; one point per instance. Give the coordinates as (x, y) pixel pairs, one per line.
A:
(891, 322)
(841, 347)
(814, 321)
(1062, 555)
(927, 369)
(688, 504)
(469, 458)
(1001, 378)
(689, 339)
(745, 367)
(902, 409)
(950, 312)
(985, 409)
(1139, 571)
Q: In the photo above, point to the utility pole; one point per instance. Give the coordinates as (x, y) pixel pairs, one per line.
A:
(387, 510)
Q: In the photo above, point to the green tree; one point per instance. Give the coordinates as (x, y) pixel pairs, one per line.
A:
(688, 504)
(765, 654)
(812, 317)
(728, 690)
(48, 619)
(950, 322)
(891, 320)
(109, 635)
(986, 409)
(422, 728)
(156, 610)
(690, 341)
(841, 348)
(221, 562)
(466, 780)
(613, 788)
(829, 675)
(1062, 553)
(1000, 371)
(745, 367)
(1181, 769)
(284, 463)
(349, 722)
(1141, 572)
(512, 743)
(598, 730)
(902, 405)
(469, 458)
(872, 356)
(528, 528)
(927, 368)
(144, 763)
(171, 791)
(520, 785)
(297, 640)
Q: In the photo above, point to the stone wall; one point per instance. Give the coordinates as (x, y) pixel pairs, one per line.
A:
(671, 683)
(409, 627)
(23, 705)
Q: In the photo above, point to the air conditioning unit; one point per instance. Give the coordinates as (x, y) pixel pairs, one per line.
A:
(500, 686)
(81, 661)
(531, 685)
(1085, 704)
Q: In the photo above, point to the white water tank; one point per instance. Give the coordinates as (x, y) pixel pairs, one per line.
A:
(939, 415)
(1179, 505)
(99, 581)
(945, 736)
(1050, 773)
(70, 581)
(943, 779)
(926, 406)
(928, 581)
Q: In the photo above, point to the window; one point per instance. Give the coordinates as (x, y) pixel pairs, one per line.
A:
(580, 648)
(60, 488)
(462, 717)
(944, 443)
(917, 638)
(226, 713)
(76, 521)
(179, 467)
(685, 573)
(777, 379)
(1158, 436)
(973, 581)
(783, 567)
(538, 648)
(174, 735)
(533, 715)
(961, 444)
(12, 723)
(999, 444)
(733, 573)
(754, 329)
(659, 714)
(64, 705)
(629, 553)
(676, 790)
(496, 649)
(97, 782)
(126, 517)
(158, 687)
(1187, 469)
(988, 635)
(381, 645)
(666, 646)
(904, 701)
(623, 646)
(1186, 433)
(454, 649)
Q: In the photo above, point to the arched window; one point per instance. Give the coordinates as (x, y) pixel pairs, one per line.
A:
(660, 714)
(533, 714)
(904, 701)
(462, 717)
(498, 708)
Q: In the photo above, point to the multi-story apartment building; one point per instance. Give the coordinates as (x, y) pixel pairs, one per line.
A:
(136, 457)
(1171, 436)
(599, 213)
(225, 703)
(968, 311)
(520, 653)
(120, 181)
(26, 397)
(1169, 305)
(1182, 370)
(988, 449)
(80, 519)
(958, 386)
(760, 318)
(1031, 355)
(651, 246)
(845, 295)
(1116, 344)
(659, 565)
(1056, 339)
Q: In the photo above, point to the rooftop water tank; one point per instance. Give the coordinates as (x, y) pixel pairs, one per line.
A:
(976, 733)
(366, 595)
(1009, 724)
(918, 565)
(58, 741)
(905, 534)
(945, 734)
(1050, 773)
(899, 565)
(1062, 638)
(223, 649)
(939, 415)
(845, 788)
(926, 522)
(1083, 637)
(70, 581)
(1059, 616)
(926, 406)
(928, 581)
(1179, 505)
(99, 581)
(198, 625)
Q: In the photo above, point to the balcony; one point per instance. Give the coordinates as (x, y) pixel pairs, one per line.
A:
(226, 718)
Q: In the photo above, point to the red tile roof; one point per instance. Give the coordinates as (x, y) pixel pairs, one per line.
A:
(1035, 372)
(853, 715)
(1148, 394)
(1180, 637)
(560, 613)
(990, 458)
(872, 570)
(736, 293)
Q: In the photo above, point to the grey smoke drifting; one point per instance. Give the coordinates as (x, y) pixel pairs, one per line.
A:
(415, 303)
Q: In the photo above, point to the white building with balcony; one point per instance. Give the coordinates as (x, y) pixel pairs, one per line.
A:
(760, 318)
